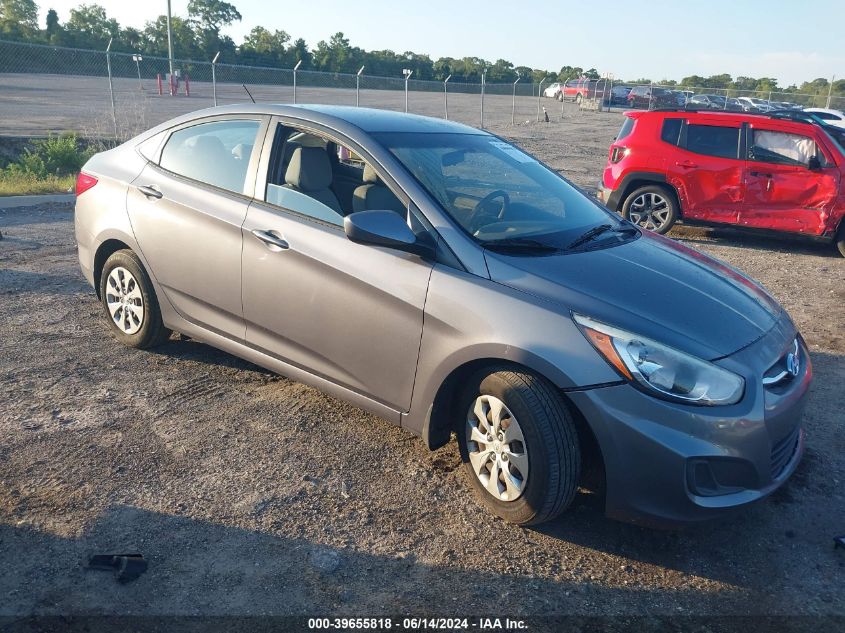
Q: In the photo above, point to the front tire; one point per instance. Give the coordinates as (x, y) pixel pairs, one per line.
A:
(519, 446)
(130, 302)
(653, 207)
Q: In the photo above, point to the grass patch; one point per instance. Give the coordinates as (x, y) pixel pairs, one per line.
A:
(49, 167)
(23, 184)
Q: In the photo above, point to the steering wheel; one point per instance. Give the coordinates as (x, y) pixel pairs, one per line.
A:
(482, 211)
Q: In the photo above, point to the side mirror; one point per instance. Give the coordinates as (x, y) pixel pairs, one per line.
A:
(814, 164)
(383, 228)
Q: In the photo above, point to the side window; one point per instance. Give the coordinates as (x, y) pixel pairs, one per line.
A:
(782, 148)
(671, 132)
(318, 178)
(713, 140)
(215, 153)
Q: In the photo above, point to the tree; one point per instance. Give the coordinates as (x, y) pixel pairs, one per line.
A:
(301, 53)
(184, 38)
(52, 23)
(18, 18)
(91, 23)
(213, 14)
(334, 55)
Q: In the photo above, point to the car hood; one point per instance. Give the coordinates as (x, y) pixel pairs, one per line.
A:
(651, 286)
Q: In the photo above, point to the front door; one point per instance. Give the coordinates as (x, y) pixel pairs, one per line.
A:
(791, 184)
(709, 171)
(186, 213)
(346, 312)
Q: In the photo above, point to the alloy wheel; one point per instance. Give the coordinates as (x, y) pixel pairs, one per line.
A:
(124, 300)
(650, 211)
(497, 450)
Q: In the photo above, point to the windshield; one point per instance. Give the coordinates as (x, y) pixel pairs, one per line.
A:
(498, 194)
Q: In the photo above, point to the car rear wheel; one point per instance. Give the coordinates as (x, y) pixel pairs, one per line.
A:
(652, 207)
(839, 240)
(519, 446)
(130, 302)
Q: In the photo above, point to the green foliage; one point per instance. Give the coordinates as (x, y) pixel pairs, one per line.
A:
(55, 156)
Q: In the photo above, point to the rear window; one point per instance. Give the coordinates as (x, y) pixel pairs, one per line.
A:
(671, 131)
(627, 128)
(713, 140)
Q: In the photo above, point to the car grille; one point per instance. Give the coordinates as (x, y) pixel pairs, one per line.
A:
(783, 450)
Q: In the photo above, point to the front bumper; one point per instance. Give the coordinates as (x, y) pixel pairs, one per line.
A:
(669, 464)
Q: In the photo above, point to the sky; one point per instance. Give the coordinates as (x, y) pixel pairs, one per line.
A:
(656, 39)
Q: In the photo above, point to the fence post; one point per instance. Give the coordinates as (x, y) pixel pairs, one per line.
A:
(829, 91)
(214, 76)
(111, 88)
(358, 85)
(539, 94)
(483, 76)
(295, 68)
(407, 74)
(513, 106)
(137, 59)
(446, 96)
(650, 94)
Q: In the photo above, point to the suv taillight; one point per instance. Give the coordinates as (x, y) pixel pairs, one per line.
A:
(618, 153)
(84, 182)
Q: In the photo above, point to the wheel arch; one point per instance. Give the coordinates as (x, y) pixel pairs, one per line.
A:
(442, 415)
(635, 180)
(105, 250)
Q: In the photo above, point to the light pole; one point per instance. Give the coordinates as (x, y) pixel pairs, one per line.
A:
(513, 106)
(138, 59)
(358, 85)
(407, 74)
(446, 96)
(214, 76)
(539, 94)
(169, 42)
(830, 90)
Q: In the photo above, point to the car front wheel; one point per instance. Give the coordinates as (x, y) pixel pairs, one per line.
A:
(652, 207)
(130, 302)
(519, 446)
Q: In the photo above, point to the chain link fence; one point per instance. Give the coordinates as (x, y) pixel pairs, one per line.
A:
(48, 89)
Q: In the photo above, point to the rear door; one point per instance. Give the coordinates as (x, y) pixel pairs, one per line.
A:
(346, 312)
(791, 181)
(186, 209)
(707, 170)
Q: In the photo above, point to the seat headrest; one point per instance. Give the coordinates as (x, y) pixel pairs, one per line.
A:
(370, 175)
(309, 169)
(242, 151)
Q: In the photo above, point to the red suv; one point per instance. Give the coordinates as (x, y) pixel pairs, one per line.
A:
(748, 170)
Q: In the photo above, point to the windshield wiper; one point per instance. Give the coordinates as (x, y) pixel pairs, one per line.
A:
(589, 235)
(520, 243)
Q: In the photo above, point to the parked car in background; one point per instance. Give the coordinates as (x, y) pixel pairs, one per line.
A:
(680, 97)
(451, 283)
(751, 104)
(553, 91)
(828, 115)
(775, 172)
(618, 95)
(578, 89)
(651, 97)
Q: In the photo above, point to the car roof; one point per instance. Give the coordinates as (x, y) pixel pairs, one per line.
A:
(369, 120)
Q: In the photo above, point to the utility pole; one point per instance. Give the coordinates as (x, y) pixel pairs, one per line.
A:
(169, 41)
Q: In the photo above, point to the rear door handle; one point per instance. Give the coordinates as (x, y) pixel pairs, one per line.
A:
(150, 191)
(760, 174)
(687, 164)
(268, 238)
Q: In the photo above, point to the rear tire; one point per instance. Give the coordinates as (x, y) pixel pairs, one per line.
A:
(653, 207)
(130, 302)
(839, 240)
(530, 446)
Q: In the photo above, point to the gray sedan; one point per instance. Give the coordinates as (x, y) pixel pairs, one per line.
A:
(443, 279)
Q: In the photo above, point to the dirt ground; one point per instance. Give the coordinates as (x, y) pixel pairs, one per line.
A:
(251, 494)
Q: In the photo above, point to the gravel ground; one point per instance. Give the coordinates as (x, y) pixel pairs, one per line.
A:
(251, 494)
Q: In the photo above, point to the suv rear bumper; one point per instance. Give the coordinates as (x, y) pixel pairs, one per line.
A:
(607, 196)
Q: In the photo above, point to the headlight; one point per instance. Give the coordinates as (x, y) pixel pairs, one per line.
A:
(662, 370)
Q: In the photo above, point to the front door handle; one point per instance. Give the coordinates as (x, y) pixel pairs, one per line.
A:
(150, 191)
(268, 238)
(687, 164)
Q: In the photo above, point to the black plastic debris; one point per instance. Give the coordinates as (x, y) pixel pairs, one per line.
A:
(128, 567)
(839, 541)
